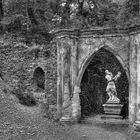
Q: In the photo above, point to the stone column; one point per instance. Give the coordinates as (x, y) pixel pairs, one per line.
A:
(66, 109)
(132, 81)
(76, 107)
(59, 81)
(138, 83)
(74, 64)
(70, 75)
(137, 122)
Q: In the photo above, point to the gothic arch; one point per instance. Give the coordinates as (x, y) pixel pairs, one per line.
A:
(90, 57)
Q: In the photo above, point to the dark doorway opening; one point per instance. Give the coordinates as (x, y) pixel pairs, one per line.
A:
(93, 85)
(39, 79)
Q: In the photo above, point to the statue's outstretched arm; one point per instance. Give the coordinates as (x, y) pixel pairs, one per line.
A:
(117, 76)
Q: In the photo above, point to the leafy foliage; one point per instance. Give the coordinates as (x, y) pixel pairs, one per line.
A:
(50, 14)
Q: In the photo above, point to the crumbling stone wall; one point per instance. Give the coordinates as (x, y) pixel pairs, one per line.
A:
(19, 60)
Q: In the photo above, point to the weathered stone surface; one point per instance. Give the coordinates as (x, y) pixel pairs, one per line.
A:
(137, 40)
(133, 79)
(76, 108)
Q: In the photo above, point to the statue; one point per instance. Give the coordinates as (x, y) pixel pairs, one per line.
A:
(111, 88)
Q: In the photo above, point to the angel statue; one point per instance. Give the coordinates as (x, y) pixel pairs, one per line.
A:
(111, 88)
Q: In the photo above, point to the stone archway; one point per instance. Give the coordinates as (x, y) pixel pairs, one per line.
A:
(90, 57)
(39, 79)
(81, 45)
(93, 86)
(76, 107)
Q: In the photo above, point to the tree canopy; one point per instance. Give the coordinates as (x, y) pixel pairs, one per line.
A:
(51, 14)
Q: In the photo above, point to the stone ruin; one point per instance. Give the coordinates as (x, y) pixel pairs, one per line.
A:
(77, 48)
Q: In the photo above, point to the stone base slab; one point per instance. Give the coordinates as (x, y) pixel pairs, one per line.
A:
(112, 109)
(111, 117)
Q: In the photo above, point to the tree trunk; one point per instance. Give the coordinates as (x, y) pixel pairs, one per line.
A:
(1, 10)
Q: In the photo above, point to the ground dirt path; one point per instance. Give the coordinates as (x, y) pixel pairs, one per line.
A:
(18, 122)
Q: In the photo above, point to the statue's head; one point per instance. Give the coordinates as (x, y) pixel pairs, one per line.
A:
(109, 75)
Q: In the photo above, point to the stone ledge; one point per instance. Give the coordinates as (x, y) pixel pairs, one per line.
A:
(111, 117)
(96, 32)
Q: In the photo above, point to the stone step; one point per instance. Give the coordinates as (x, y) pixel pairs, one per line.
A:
(102, 119)
(111, 116)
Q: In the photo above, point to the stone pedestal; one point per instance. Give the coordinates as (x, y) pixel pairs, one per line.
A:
(112, 111)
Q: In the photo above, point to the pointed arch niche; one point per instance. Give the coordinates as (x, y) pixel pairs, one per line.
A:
(90, 57)
(93, 84)
(39, 79)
